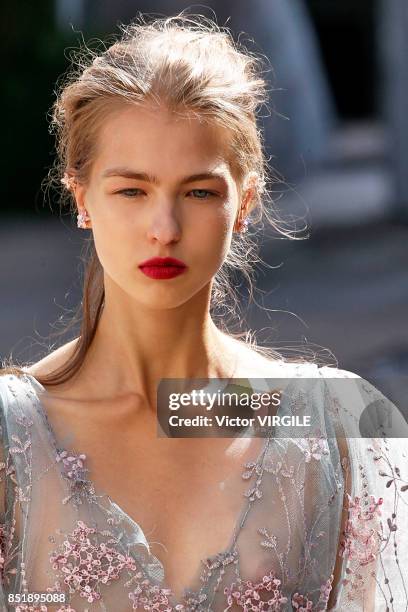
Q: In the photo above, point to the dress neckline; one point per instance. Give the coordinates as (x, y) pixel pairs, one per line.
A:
(141, 536)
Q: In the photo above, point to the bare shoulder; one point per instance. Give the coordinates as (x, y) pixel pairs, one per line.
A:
(253, 364)
(53, 360)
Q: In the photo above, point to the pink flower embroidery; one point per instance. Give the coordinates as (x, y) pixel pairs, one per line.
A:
(361, 540)
(325, 589)
(73, 464)
(151, 597)
(301, 603)
(75, 472)
(84, 565)
(249, 596)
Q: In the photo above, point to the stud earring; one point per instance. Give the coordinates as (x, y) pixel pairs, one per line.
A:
(68, 181)
(83, 218)
(244, 225)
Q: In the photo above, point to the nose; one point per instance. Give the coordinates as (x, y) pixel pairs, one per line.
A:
(164, 227)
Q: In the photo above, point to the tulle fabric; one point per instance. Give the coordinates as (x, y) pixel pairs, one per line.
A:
(320, 517)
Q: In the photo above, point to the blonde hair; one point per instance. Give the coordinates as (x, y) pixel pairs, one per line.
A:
(191, 66)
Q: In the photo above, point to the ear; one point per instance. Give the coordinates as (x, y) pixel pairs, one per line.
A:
(249, 192)
(79, 192)
(77, 189)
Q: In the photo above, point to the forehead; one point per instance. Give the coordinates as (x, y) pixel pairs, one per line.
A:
(159, 140)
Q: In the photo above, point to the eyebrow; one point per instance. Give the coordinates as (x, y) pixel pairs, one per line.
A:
(148, 178)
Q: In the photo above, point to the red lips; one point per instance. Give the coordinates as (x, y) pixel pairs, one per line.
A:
(162, 267)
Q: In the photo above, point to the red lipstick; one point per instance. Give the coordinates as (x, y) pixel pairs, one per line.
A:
(162, 267)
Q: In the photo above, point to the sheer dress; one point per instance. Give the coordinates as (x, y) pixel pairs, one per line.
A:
(321, 517)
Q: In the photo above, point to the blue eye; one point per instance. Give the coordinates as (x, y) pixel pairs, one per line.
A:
(124, 192)
(204, 191)
(132, 192)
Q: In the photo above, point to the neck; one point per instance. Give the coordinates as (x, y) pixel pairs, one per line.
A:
(135, 346)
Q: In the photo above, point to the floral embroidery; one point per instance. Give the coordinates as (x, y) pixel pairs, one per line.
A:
(313, 448)
(89, 557)
(193, 602)
(325, 590)
(150, 597)
(74, 464)
(247, 595)
(301, 603)
(153, 597)
(253, 468)
(219, 562)
(271, 540)
(75, 473)
(361, 540)
(394, 474)
(276, 468)
(84, 565)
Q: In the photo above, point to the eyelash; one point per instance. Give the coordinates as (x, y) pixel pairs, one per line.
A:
(211, 193)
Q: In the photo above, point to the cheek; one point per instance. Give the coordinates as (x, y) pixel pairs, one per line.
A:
(211, 239)
(224, 230)
(219, 219)
(113, 219)
(115, 243)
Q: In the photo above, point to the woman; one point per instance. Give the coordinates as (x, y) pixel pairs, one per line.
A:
(159, 150)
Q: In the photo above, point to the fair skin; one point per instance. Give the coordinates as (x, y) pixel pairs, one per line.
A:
(153, 329)
(158, 328)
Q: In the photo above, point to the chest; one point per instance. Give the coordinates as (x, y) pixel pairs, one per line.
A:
(187, 495)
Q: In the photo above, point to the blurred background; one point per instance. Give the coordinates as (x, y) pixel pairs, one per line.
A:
(338, 134)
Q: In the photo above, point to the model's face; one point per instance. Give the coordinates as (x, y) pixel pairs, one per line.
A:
(164, 213)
